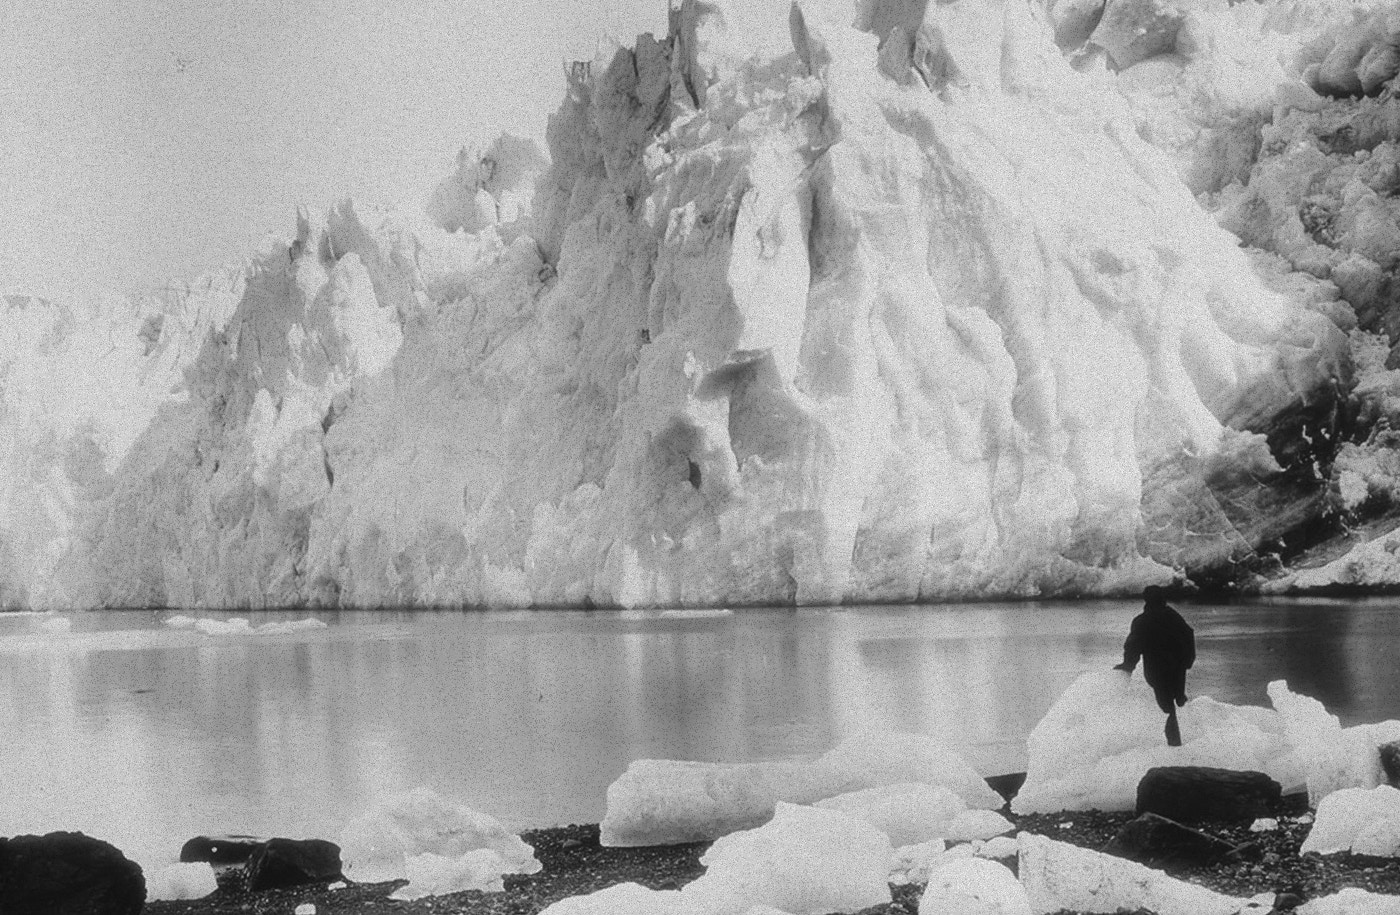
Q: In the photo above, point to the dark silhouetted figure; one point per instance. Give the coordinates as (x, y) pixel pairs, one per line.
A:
(1167, 645)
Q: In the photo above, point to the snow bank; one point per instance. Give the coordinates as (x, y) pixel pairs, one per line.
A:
(905, 310)
(1361, 821)
(658, 802)
(439, 846)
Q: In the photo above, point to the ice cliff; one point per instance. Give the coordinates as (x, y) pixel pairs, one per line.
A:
(892, 301)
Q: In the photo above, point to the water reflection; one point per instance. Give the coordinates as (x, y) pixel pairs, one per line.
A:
(147, 735)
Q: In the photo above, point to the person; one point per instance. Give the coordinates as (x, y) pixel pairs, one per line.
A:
(1166, 643)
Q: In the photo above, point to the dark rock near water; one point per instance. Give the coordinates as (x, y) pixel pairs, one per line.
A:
(248, 864)
(68, 873)
(1194, 794)
(1390, 762)
(220, 849)
(1159, 842)
(293, 862)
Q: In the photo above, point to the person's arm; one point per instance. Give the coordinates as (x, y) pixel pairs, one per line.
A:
(1188, 644)
(1132, 648)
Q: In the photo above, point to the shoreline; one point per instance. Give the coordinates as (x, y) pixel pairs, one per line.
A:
(574, 863)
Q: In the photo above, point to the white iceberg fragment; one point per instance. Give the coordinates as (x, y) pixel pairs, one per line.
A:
(625, 899)
(1351, 901)
(411, 835)
(804, 861)
(1103, 734)
(1358, 820)
(431, 874)
(1058, 876)
(180, 881)
(908, 813)
(657, 802)
(912, 863)
(973, 886)
(240, 625)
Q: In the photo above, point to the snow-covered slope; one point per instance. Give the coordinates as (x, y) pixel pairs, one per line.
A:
(814, 304)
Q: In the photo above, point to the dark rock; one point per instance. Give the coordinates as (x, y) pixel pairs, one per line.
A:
(1390, 762)
(292, 862)
(220, 849)
(1192, 794)
(68, 873)
(1159, 842)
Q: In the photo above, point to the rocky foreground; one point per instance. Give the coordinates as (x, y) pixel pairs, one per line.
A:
(574, 863)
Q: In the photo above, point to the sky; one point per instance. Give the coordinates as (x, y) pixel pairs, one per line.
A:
(148, 140)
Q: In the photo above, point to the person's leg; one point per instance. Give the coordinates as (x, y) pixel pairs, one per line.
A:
(1165, 695)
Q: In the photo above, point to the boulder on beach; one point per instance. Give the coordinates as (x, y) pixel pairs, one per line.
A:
(1193, 794)
(252, 864)
(68, 873)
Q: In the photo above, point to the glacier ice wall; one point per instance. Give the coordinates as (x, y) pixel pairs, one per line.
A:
(801, 307)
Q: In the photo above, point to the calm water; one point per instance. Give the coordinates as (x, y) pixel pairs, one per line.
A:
(146, 735)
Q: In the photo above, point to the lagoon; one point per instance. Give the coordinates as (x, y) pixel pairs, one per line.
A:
(145, 735)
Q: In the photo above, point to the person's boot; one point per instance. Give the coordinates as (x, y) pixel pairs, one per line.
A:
(1173, 731)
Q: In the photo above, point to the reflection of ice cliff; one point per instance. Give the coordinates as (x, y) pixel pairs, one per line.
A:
(910, 309)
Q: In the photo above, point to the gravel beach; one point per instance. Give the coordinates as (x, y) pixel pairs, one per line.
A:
(574, 863)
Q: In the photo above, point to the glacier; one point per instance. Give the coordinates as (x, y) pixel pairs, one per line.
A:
(883, 301)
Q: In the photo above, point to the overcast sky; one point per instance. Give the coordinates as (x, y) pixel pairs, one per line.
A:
(142, 140)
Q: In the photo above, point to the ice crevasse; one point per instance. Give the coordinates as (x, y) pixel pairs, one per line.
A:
(809, 304)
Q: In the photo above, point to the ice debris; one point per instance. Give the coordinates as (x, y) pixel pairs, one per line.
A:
(438, 845)
(658, 802)
(239, 625)
(1105, 731)
(1058, 876)
(180, 881)
(973, 886)
(1351, 901)
(1357, 820)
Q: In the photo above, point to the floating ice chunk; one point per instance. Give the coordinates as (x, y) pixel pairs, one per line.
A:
(180, 881)
(380, 845)
(1058, 876)
(1351, 901)
(626, 899)
(239, 625)
(657, 802)
(1103, 734)
(973, 886)
(1358, 820)
(804, 861)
